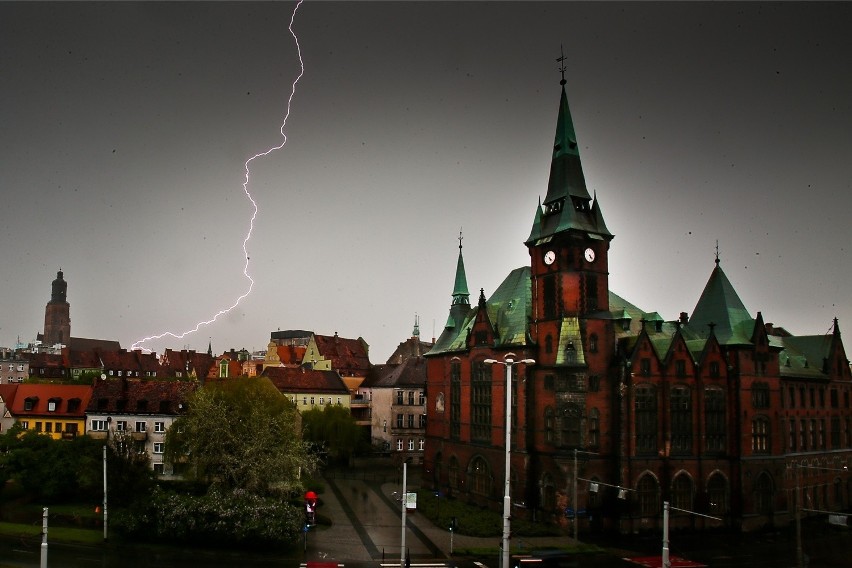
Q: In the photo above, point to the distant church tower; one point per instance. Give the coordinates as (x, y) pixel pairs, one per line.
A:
(57, 319)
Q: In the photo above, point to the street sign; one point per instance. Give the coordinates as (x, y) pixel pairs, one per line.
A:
(410, 500)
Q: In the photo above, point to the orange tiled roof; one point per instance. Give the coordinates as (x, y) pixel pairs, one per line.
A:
(33, 400)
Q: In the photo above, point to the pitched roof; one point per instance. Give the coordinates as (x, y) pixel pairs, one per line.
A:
(291, 354)
(87, 344)
(7, 394)
(411, 347)
(302, 379)
(508, 309)
(409, 373)
(348, 356)
(720, 305)
(124, 396)
(39, 395)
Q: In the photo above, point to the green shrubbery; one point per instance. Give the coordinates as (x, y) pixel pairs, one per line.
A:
(219, 518)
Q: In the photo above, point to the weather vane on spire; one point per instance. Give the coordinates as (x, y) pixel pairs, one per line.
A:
(561, 60)
(460, 238)
(717, 251)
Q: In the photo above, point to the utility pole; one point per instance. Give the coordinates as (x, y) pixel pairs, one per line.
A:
(404, 504)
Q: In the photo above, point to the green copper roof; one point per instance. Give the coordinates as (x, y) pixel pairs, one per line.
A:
(566, 173)
(460, 293)
(568, 205)
(508, 309)
(804, 356)
(720, 305)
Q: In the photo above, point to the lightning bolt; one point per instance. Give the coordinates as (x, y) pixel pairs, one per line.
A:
(138, 344)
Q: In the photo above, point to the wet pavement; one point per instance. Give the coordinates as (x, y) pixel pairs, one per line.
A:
(366, 525)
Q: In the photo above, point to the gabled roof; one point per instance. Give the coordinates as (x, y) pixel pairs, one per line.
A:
(348, 356)
(302, 379)
(185, 362)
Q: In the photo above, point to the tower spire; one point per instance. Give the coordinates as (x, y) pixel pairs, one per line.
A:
(568, 204)
(461, 296)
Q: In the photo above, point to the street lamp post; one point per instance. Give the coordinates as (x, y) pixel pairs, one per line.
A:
(508, 362)
(800, 557)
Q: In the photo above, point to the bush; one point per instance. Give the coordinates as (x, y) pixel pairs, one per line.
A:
(219, 518)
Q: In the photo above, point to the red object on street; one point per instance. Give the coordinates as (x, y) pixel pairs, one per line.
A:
(657, 562)
(310, 495)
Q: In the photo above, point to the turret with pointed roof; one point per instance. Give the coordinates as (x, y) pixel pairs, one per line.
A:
(460, 307)
(720, 305)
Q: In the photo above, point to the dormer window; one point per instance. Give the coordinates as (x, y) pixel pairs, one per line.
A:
(53, 404)
(30, 403)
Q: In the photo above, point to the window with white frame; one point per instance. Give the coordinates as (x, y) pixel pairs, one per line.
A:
(141, 426)
(410, 445)
(121, 426)
(99, 425)
(399, 445)
(420, 444)
(159, 447)
(322, 400)
(159, 427)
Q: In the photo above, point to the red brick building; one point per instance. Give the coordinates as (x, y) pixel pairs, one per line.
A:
(714, 413)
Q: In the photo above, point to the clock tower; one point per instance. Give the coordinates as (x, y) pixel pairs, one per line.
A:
(568, 247)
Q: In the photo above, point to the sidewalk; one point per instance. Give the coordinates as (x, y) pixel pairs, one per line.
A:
(367, 525)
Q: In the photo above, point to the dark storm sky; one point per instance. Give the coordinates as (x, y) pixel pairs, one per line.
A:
(125, 127)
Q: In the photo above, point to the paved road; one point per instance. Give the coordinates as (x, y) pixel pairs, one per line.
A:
(367, 526)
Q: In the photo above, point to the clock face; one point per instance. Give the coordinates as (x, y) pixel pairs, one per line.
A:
(549, 257)
(589, 255)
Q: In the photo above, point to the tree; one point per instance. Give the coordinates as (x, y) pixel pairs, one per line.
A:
(334, 429)
(243, 434)
(51, 470)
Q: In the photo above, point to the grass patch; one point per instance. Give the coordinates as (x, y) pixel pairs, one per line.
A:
(472, 520)
(58, 534)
